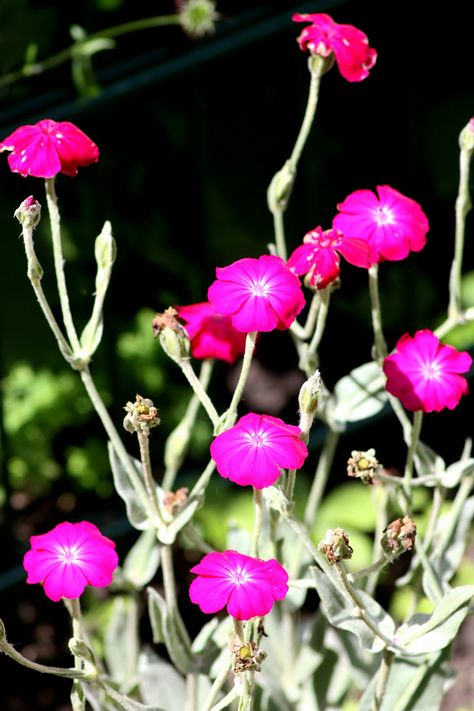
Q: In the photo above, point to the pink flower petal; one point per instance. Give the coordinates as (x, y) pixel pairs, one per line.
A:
(258, 294)
(70, 557)
(392, 224)
(424, 374)
(253, 451)
(48, 148)
(212, 335)
(248, 586)
(351, 49)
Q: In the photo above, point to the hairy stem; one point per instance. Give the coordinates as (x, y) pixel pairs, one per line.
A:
(257, 525)
(198, 388)
(463, 206)
(35, 273)
(415, 437)
(382, 679)
(54, 218)
(380, 347)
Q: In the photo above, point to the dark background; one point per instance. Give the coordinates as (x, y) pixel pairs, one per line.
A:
(190, 134)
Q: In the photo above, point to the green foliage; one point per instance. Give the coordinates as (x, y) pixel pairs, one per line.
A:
(39, 404)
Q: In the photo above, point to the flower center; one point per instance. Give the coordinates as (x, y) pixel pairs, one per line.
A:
(257, 439)
(431, 371)
(239, 576)
(69, 555)
(383, 216)
(259, 288)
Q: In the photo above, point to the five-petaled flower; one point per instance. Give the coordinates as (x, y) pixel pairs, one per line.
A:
(318, 256)
(256, 448)
(425, 374)
(258, 294)
(394, 224)
(70, 557)
(350, 46)
(247, 586)
(211, 335)
(49, 148)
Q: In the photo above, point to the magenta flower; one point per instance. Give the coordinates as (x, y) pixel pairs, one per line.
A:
(424, 374)
(258, 294)
(319, 255)
(247, 586)
(255, 449)
(49, 148)
(211, 335)
(70, 557)
(392, 222)
(350, 46)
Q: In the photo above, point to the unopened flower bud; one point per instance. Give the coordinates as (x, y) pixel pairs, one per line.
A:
(105, 247)
(308, 400)
(246, 656)
(141, 415)
(197, 17)
(79, 648)
(466, 137)
(363, 465)
(280, 188)
(173, 337)
(29, 212)
(399, 536)
(310, 394)
(335, 547)
(176, 445)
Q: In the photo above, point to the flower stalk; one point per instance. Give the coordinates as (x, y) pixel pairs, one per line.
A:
(463, 206)
(281, 186)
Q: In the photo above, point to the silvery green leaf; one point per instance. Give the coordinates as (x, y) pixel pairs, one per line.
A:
(167, 534)
(204, 638)
(423, 634)
(165, 629)
(305, 665)
(360, 394)
(91, 336)
(143, 559)
(450, 540)
(455, 472)
(121, 642)
(427, 461)
(413, 685)
(136, 512)
(156, 613)
(341, 612)
(277, 500)
(120, 702)
(160, 683)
